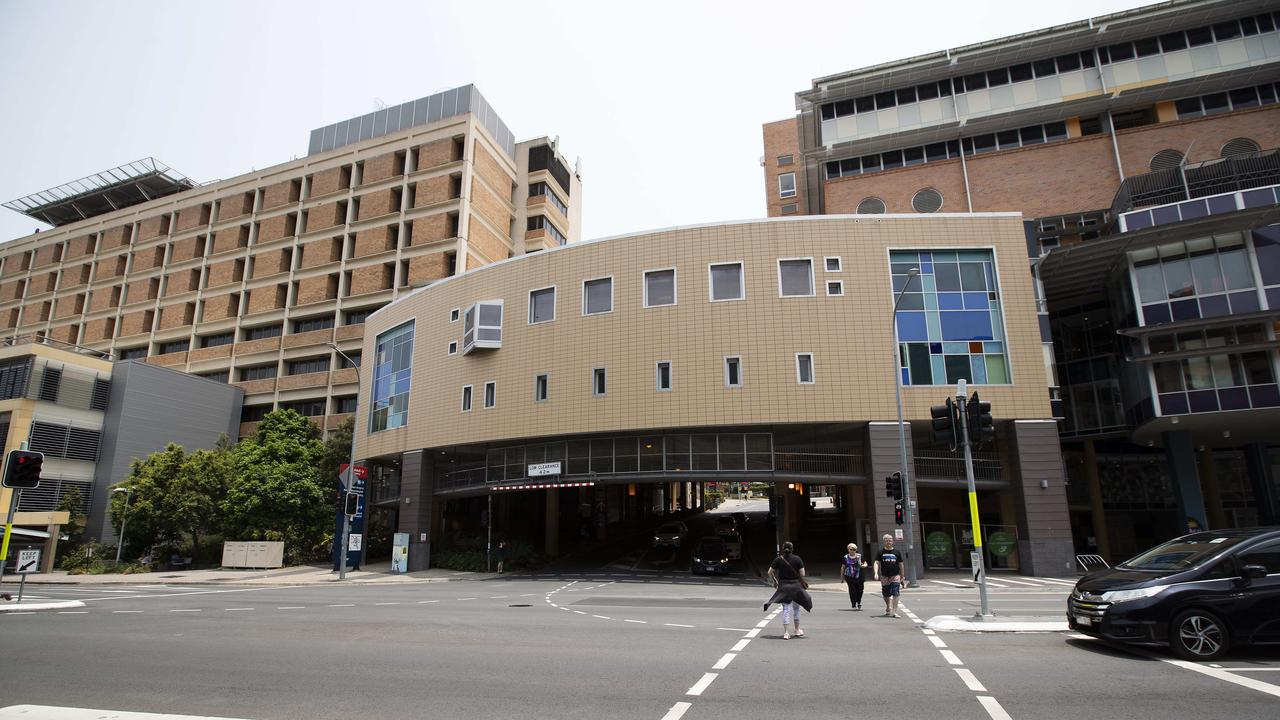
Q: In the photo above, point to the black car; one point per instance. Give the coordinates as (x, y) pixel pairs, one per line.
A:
(710, 556)
(1200, 594)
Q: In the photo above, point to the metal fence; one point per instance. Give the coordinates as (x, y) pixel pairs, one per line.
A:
(1211, 177)
(952, 468)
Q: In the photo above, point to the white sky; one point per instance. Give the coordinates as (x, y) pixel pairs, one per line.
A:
(662, 100)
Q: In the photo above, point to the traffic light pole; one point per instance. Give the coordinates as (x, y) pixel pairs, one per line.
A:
(980, 571)
(8, 527)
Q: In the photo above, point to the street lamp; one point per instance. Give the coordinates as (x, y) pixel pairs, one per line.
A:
(351, 472)
(128, 492)
(908, 515)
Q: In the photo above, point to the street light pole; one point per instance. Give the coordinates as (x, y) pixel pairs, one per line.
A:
(907, 512)
(128, 493)
(348, 482)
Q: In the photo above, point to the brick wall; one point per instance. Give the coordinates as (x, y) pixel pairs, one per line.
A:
(488, 244)
(320, 252)
(897, 187)
(280, 226)
(427, 268)
(257, 346)
(149, 229)
(328, 181)
(380, 168)
(235, 206)
(112, 267)
(432, 228)
(314, 337)
(99, 330)
(435, 153)
(148, 258)
(315, 289)
(75, 275)
(324, 216)
(1138, 145)
(780, 138)
(376, 240)
(182, 281)
(376, 204)
(488, 168)
(270, 262)
(293, 382)
(187, 249)
(139, 290)
(370, 279)
(236, 237)
(267, 298)
(221, 307)
(102, 298)
(225, 272)
(79, 247)
(65, 333)
(68, 306)
(43, 283)
(431, 191)
(135, 323)
(488, 206)
(47, 255)
(282, 193)
(176, 316)
(12, 290)
(192, 217)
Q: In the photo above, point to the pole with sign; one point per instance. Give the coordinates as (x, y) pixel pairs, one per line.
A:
(979, 576)
(349, 525)
(28, 562)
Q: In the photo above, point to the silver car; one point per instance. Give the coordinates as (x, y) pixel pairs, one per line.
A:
(733, 543)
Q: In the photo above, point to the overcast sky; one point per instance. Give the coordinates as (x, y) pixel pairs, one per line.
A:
(663, 101)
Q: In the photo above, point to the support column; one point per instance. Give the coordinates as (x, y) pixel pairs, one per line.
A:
(419, 514)
(1179, 453)
(1209, 486)
(552, 540)
(1097, 513)
(50, 549)
(884, 459)
(1044, 523)
(1261, 479)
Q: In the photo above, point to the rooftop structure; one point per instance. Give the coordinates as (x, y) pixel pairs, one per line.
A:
(120, 187)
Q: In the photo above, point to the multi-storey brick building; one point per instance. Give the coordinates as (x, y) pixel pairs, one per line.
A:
(1083, 128)
(247, 280)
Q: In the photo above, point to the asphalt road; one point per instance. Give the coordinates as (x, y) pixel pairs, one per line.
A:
(608, 644)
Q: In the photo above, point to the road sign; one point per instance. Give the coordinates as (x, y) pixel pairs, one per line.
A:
(541, 469)
(898, 534)
(975, 561)
(28, 561)
(354, 541)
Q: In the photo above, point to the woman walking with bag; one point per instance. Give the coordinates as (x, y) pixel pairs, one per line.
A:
(787, 574)
(851, 572)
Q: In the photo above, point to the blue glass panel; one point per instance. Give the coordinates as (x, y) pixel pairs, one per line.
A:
(926, 257)
(993, 347)
(991, 276)
(1155, 314)
(906, 376)
(1233, 398)
(1266, 248)
(935, 326)
(935, 348)
(1173, 403)
(1193, 209)
(939, 366)
(1222, 204)
(975, 301)
(1264, 395)
(1243, 302)
(1202, 400)
(955, 347)
(899, 282)
(926, 268)
(1185, 309)
(911, 327)
(958, 368)
(1214, 306)
(1165, 215)
(966, 325)
(901, 268)
(1259, 198)
(950, 301)
(979, 370)
(1273, 298)
(1137, 221)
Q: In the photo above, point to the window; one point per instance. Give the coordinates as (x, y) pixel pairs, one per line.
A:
(392, 373)
(1194, 279)
(306, 408)
(357, 317)
(795, 277)
(598, 385)
(258, 372)
(804, 368)
(254, 413)
(786, 159)
(659, 287)
(597, 296)
(832, 264)
(132, 353)
(541, 387)
(453, 347)
(309, 365)
(787, 185)
(453, 315)
(727, 282)
(664, 375)
(466, 398)
(342, 405)
(490, 394)
(355, 360)
(540, 189)
(482, 326)
(315, 323)
(835, 287)
(209, 341)
(542, 305)
(733, 371)
(261, 333)
(540, 222)
(174, 346)
(790, 208)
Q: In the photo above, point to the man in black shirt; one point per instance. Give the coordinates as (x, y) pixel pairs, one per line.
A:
(888, 571)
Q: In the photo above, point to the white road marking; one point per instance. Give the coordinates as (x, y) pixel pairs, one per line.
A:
(937, 641)
(387, 603)
(602, 617)
(353, 604)
(125, 612)
(73, 612)
(762, 623)
(461, 599)
(970, 681)
(677, 711)
(420, 602)
(950, 657)
(740, 646)
(927, 631)
(239, 609)
(1018, 582)
(1274, 669)
(698, 687)
(944, 582)
(1054, 581)
(992, 706)
(996, 585)
(754, 632)
(724, 661)
(641, 622)
(29, 612)
(579, 612)
(677, 625)
(292, 607)
(195, 610)
(526, 594)
(497, 597)
(1224, 675)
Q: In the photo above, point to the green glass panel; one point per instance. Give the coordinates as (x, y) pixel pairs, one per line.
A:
(904, 256)
(974, 255)
(921, 370)
(944, 257)
(934, 324)
(928, 283)
(997, 371)
(931, 301)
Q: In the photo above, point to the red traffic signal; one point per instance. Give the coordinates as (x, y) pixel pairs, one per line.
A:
(22, 469)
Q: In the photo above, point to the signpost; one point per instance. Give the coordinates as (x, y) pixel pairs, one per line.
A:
(349, 527)
(546, 468)
(28, 562)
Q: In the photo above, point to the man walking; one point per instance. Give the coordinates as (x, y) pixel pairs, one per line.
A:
(888, 570)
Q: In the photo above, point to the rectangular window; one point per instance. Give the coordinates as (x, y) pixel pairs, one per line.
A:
(597, 296)
(482, 326)
(310, 324)
(310, 365)
(260, 372)
(664, 375)
(787, 185)
(727, 282)
(542, 305)
(598, 385)
(343, 363)
(342, 405)
(174, 346)
(132, 353)
(795, 277)
(541, 387)
(466, 398)
(453, 347)
(209, 341)
(835, 287)
(804, 368)
(786, 159)
(490, 394)
(357, 317)
(453, 315)
(261, 333)
(832, 264)
(733, 371)
(392, 373)
(659, 287)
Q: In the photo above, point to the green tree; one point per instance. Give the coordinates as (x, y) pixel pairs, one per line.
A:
(199, 492)
(337, 450)
(70, 502)
(151, 483)
(276, 492)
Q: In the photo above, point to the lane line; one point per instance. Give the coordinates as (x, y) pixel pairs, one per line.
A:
(1225, 675)
(703, 684)
(579, 612)
(602, 617)
(1273, 669)
(944, 582)
(740, 645)
(387, 603)
(754, 632)
(992, 706)
(195, 610)
(1017, 582)
(292, 607)
(677, 625)
(424, 602)
(970, 681)
(126, 612)
(461, 599)
(763, 623)
(641, 622)
(677, 711)
(937, 641)
(73, 612)
(724, 661)
(238, 609)
(738, 629)
(950, 657)
(353, 604)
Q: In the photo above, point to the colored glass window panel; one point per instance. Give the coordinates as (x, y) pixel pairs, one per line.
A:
(392, 371)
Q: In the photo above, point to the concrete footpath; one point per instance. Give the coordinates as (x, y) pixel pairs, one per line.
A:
(379, 573)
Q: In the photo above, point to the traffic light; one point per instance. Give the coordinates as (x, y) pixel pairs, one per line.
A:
(352, 504)
(22, 469)
(945, 423)
(897, 512)
(893, 486)
(982, 427)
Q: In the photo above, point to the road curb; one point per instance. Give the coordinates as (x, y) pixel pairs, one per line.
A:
(956, 623)
(37, 607)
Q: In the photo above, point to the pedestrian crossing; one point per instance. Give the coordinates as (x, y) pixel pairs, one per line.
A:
(59, 593)
(1022, 582)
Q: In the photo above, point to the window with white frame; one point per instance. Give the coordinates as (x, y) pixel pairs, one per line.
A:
(597, 296)
(466, 398)
(795, 277)
(832, 264)
(664, 375)
(541, 387)
(804, 368)
(453, 347)
(835, 287)
(598, 386)
(490, 394)
(542, 305)
(787, 185)
(453, 315)
(726, 281)
(733, 371)
(659, 287)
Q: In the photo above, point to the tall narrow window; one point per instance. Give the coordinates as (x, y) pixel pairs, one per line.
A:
(664, 375)
(795, 277)
(804, 368)
(542, 305)
(787, 185)
(598, 386)
(597, 296)
(490, 394)
(659, 287)
(726, 282)
(466, 398)
(392, 372)
(540, 388)
(733, 372)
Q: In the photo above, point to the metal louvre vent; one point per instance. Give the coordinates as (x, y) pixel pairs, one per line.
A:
(1166, 160)
(14, 375)
(1240, 147)
(101, 392)
(49, 383)
(62, 441)
(45, 498)
(927, 200)
(871, 206)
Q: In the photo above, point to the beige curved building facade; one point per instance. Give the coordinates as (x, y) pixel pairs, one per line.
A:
(755, 350)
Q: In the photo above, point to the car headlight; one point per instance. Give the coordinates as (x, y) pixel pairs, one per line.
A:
(724, 560)
(657, 539)
(1119, 596)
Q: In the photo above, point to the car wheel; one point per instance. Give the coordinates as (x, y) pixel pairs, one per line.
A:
(1198, 635)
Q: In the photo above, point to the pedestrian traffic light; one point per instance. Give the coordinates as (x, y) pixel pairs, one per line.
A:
(982, 427)
(898, 511)
(893, 486)
(22, 469)
(945, 423)
(352, 504)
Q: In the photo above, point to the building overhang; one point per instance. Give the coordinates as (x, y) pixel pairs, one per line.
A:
(110, 190)
(1213, 429)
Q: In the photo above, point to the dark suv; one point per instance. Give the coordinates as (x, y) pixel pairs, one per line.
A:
(1199, 594)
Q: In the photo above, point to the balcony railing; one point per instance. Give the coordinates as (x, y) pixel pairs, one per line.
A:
(1195, 180)
(952, 468)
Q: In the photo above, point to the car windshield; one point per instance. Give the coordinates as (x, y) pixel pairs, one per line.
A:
(1181, 554)
(669, 529)
(708, 548)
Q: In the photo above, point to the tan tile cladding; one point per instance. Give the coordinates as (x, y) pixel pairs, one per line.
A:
(850, 335)
(780, 138)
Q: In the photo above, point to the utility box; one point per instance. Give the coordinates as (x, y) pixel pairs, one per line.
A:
(253, 554)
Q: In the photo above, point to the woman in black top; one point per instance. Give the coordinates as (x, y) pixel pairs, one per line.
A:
(787, 573)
